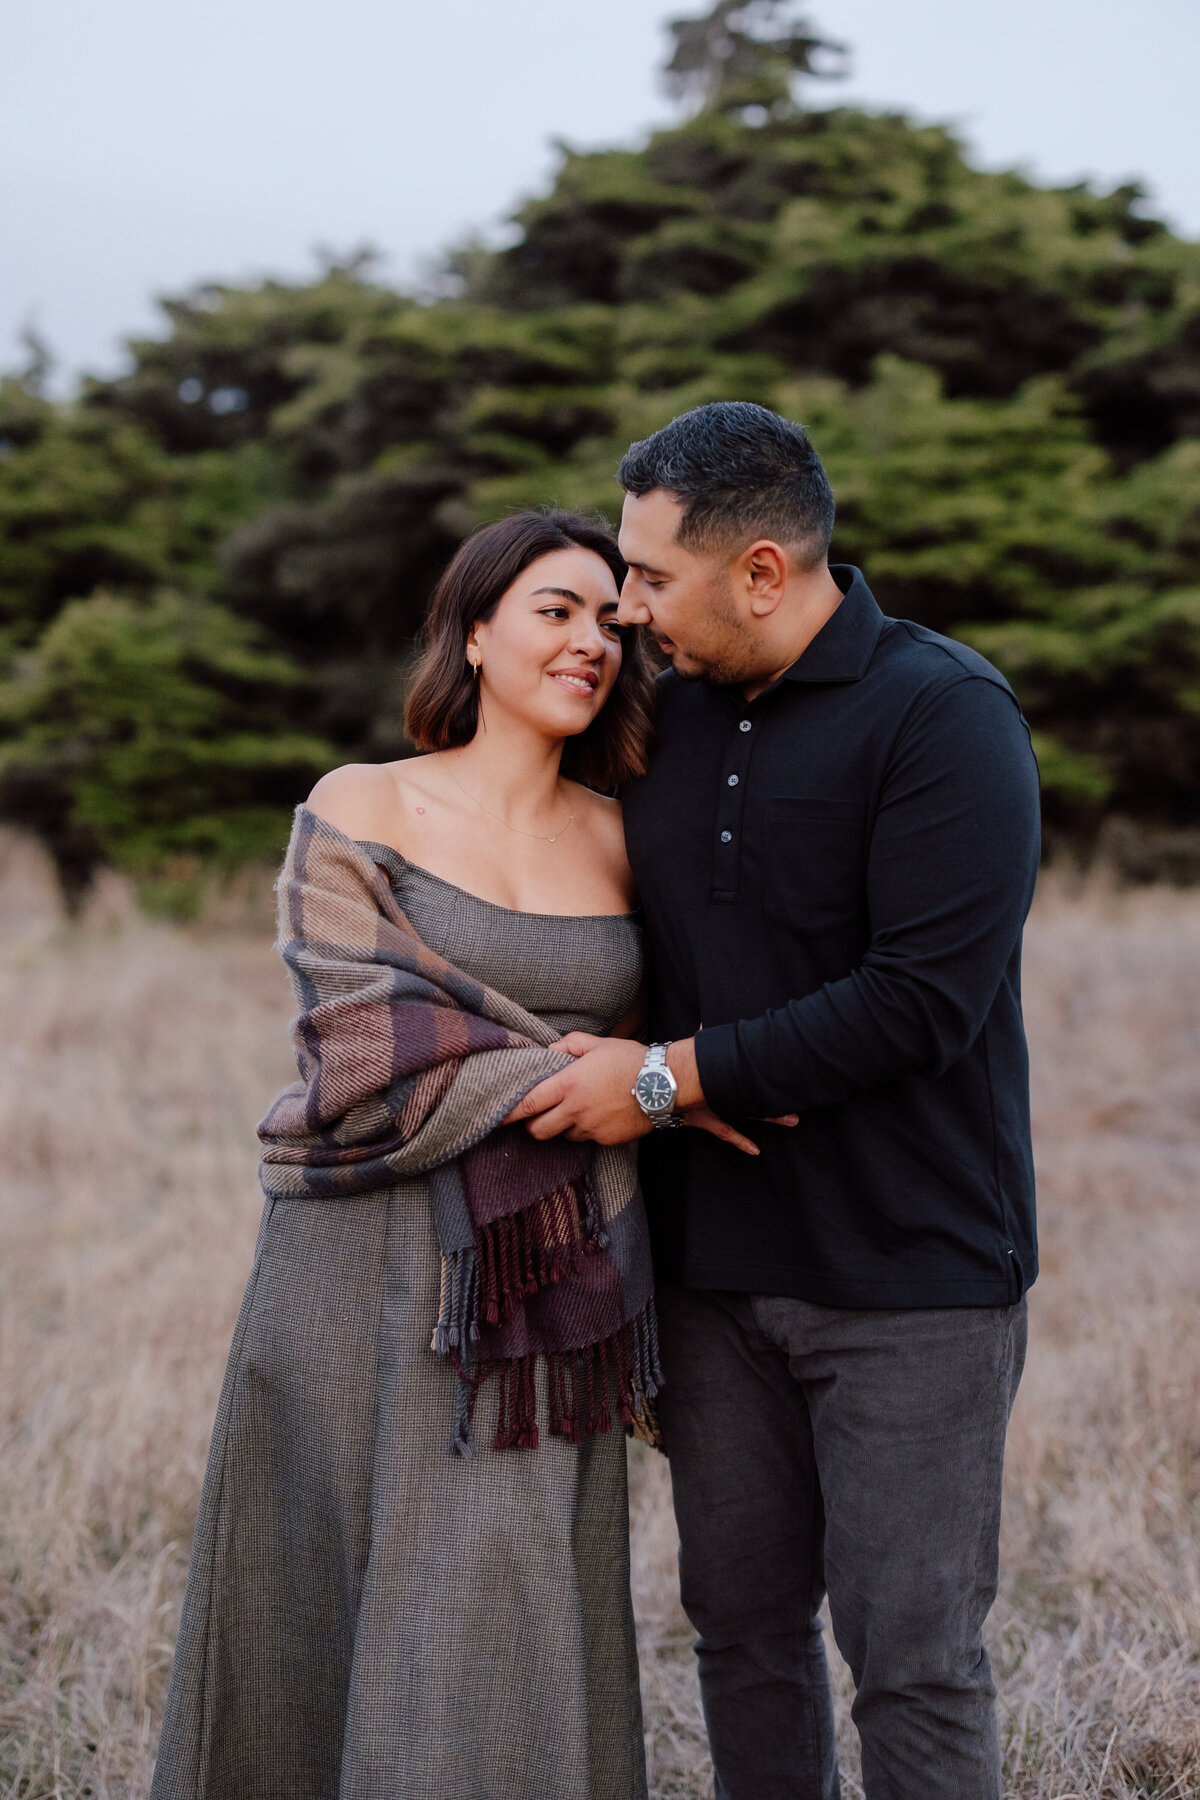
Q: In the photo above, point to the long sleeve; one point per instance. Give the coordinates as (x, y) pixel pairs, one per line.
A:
(951, 866)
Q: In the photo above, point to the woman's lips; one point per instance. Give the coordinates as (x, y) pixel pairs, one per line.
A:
(584, 685)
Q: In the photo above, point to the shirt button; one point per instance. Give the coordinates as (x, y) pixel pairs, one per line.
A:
(744, 725)
(727, 837)
(733, 781)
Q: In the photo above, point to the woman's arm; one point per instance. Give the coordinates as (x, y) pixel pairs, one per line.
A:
(631, 1025)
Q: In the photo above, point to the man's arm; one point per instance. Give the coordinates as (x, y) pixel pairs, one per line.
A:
(950, 873)
(592, 1101)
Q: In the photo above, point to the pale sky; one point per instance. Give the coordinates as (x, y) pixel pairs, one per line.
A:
(146, 145)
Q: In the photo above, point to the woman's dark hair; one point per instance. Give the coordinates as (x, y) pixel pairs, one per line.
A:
(442, 711)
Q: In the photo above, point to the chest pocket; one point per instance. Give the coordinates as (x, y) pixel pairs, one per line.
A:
(815, 862)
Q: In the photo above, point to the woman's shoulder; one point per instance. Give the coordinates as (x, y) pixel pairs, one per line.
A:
(601, 816)
(602, 811)
(359, 798)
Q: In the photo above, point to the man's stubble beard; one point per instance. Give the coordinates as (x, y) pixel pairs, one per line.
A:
(723, 666)
(716, 674)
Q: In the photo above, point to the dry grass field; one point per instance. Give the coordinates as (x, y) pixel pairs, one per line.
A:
(134, 1060)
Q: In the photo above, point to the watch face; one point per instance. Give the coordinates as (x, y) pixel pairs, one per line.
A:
(656, 1091)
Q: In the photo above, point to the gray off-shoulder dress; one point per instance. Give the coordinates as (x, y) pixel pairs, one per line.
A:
(367, 1616)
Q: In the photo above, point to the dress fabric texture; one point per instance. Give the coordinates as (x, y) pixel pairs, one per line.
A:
(367, 1616)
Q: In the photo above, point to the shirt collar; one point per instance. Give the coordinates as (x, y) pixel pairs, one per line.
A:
(845, 644)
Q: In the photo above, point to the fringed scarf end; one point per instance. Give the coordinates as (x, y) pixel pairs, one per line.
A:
(462, 1443)
(513, 1258)
(520, 1255)
(456, 1328)
(597, 1237)
(516, 1423)
(644, 1378)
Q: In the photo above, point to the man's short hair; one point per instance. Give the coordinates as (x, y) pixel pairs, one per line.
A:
(740, 472)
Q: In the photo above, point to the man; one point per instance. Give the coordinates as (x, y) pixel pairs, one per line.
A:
(836, 847)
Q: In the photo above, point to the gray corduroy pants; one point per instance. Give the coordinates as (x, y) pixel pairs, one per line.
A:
(817, 1449)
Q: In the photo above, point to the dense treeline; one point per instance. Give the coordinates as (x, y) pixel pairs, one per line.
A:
(212, 567)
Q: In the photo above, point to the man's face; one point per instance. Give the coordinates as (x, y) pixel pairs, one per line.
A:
(685, 598)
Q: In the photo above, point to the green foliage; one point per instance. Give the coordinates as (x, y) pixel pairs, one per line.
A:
(152, 730)
(1003, 524)
(744, 53)
(1004, 380)
(91, 499)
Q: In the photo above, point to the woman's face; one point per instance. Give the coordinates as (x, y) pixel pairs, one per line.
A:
(551, 651)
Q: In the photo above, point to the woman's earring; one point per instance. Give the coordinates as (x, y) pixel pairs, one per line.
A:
(476, 663)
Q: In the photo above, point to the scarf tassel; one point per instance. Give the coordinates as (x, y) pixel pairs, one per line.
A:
(516, 1422)
(462, 1442)
(519, 1255)
(456, 1329)
(582, 1387)
(582, 1384)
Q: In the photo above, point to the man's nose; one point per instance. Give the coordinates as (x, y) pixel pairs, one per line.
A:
(630, 610)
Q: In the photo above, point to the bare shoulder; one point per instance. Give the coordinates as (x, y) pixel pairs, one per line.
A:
(359, 798)
(602, 812)
(602, 818)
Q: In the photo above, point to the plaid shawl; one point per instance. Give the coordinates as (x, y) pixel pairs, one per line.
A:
(407, 1067)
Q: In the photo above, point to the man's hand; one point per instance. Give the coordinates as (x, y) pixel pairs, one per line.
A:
(593, 1102)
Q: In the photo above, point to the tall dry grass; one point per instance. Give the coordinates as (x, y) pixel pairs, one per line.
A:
(136, 1058)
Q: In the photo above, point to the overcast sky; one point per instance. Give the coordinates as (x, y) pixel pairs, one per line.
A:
(145, 144)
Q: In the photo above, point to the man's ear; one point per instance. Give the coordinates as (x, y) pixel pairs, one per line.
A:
(763, 568)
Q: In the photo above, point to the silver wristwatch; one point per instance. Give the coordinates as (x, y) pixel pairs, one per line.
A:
(655, 1089)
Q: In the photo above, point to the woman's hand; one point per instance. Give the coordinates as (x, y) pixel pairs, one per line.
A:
(702, 1117)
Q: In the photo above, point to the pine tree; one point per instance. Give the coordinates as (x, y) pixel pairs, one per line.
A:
(745, 53)
(1003, 378)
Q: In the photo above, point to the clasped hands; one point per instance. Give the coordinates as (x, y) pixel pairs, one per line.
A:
(592, 1101)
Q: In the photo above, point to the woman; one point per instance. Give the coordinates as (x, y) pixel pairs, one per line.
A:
(368, 1615)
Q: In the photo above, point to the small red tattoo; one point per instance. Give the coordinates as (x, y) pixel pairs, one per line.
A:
(421, 810)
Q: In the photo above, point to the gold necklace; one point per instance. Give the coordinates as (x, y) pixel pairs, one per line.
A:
(539, 835)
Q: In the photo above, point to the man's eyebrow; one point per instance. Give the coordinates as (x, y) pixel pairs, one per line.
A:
(643, 568)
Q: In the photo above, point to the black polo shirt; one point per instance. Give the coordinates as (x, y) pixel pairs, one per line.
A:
(835, 878)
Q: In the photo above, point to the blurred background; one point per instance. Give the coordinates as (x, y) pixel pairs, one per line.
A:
(292, 298)
(216, 538)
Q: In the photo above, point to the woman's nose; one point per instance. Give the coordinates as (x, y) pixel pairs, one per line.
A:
(587, 639)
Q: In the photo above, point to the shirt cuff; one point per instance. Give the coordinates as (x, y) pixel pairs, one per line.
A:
(727, 1082)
